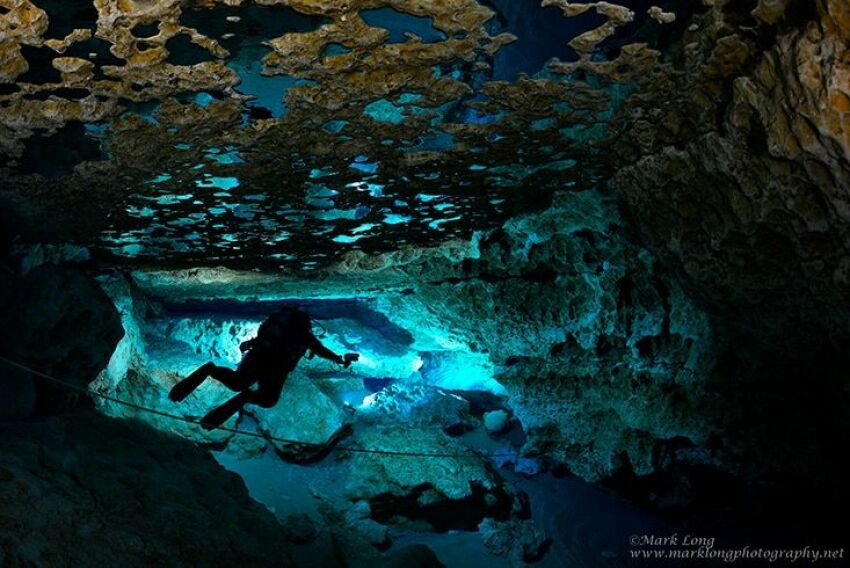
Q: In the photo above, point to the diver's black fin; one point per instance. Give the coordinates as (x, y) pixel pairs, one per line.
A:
(188, 385)
(218, 416)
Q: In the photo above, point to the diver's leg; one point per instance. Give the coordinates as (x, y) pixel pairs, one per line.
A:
(185, 387)
(219, 416)
(237, 380)
(269, 391)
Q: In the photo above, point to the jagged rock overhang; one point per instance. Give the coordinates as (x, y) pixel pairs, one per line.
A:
(382, 139)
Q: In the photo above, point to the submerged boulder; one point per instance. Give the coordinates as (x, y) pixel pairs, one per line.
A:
(518, 540)
(304, 415)
(496, 421)
(358, 517)
(440, 485)
(414, 405)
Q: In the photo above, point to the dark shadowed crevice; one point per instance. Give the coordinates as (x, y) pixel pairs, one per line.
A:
(8, 88)
(56, 155)
(459, 515)
(142, 31)
(40, 61)
(65, 16)
(181, 51)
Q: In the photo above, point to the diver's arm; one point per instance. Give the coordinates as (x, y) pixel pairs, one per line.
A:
(318, 349)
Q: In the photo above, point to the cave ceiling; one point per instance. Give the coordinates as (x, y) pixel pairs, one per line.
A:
(289, 132)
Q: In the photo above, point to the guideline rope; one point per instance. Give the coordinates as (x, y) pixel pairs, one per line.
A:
(238, 432)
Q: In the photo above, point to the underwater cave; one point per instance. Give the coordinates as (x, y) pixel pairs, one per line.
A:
(421, 283)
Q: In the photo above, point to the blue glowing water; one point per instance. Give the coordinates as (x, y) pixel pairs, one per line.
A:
(268, 91)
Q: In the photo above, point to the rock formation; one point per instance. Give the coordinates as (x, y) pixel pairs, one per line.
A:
(736, 179)
(738, 175)
(53, 317)
(119, 492)
(603, 361)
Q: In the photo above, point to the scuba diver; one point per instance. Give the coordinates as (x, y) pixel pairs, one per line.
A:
(269, 357)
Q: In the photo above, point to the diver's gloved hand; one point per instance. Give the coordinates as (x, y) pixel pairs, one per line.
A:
(246, 345)
(350, 358)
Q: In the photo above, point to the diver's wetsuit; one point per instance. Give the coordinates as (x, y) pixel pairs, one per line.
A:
(282, 340)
